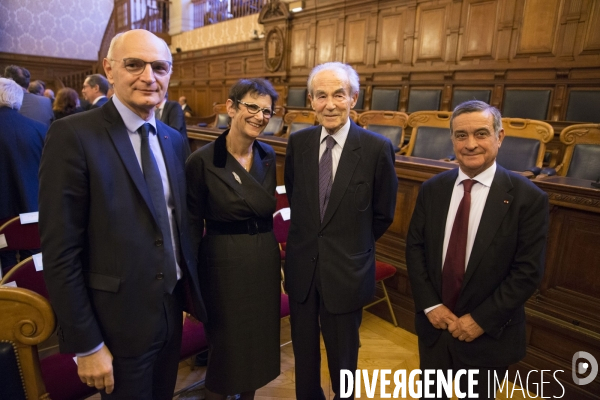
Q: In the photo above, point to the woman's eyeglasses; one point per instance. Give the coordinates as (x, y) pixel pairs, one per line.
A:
(255, 108)
(135, 66)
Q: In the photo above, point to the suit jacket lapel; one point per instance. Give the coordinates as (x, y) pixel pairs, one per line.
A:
(118, 133)
(231, 173)
(310, 161)
(166, 145)
(348, 161)
(441, 204)
(496, 206)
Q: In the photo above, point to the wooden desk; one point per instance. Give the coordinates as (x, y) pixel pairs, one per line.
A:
(563, 317)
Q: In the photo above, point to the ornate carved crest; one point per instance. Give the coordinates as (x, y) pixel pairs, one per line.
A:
(274, 49)
(275, 9)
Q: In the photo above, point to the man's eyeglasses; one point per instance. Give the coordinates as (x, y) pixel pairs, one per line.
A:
(255, 108)
(135, 66)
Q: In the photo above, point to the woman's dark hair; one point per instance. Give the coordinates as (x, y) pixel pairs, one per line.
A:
(66, 101)
(254, 86)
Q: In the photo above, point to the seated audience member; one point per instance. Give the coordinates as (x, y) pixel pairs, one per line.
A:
(187, 110)
(475, 254)
(35, 107)
(67, 103)
(21, 142)
(94, 90)
(49, 93)
(36, 88)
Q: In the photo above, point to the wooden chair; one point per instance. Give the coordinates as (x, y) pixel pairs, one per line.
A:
(222, 119)
(524, 144)
(385, 99)
(27, 320)
(526, 103)
(297, 120)
(430, 136)
(19, 237)
(424, 100)
(383, 271)
(354, 116)
(26, 276)
(390, 124)
(582, 152)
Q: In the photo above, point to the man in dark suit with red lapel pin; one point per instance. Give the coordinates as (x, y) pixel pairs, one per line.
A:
(475, 254)
(341, 184)
(117, 256)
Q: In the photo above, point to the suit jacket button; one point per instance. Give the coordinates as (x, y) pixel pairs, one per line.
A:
(320, 234)
(314, 259)
(160, 275)
(158, 242)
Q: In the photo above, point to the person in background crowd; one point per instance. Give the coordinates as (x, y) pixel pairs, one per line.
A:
(21, 143)
(231, 191)
(171, 114)
(36, 88)
(35, 107)
(187, 110)
(49, 93)
(67, 103)
(94, 90)
(341, 184)
(475, 254)
(118, 261)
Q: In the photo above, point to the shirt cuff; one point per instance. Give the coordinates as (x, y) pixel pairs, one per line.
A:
(92, 351)
(426, 311)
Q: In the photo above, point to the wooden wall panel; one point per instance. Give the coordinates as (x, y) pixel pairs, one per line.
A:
(431, 38)
(200, 70)
(254, 65)
(537, 32)
(481, 24)
(356, 34)
(390, 43)
(298, 55)
(591, 41)
(325, 46)
(216, 69)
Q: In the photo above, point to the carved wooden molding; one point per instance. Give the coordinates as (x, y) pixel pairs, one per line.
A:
(275, 10)
(274, 50)
(575, 200)
(571, 136)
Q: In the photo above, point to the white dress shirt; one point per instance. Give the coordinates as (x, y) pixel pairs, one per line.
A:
(479, 194)
(336, 151)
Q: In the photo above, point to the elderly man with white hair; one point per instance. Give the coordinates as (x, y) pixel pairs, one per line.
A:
(21, 142)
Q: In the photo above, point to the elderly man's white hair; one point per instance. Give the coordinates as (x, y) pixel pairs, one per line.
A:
(11, 94)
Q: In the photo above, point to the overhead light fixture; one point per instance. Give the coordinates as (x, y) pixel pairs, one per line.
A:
(296, 6)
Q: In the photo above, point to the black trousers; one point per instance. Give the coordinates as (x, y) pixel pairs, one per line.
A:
(341, 337)
(153, 375)
(441, 356)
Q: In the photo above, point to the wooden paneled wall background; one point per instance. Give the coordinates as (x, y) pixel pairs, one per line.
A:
(408, 44)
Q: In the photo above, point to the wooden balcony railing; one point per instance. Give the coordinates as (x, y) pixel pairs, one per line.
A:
(207, 12)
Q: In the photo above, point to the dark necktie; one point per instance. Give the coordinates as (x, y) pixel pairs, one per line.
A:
(454, 265)
(325, 175)
(157, 194)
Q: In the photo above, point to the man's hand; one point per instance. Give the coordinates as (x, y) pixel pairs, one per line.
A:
(465, 328)
(97, 370)
(441, 316)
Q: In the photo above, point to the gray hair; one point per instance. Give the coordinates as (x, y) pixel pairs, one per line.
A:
(477, 106)
(11, 94)
(113, 41)
(339, 67)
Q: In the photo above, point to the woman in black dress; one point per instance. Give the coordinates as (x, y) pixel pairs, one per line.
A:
(231, 192)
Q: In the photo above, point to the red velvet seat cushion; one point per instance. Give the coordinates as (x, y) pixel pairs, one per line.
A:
(193, 340)
(59, 373)
(285, 305)
(383, 271)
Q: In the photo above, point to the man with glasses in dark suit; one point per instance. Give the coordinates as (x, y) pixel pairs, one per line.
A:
(118, 261)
